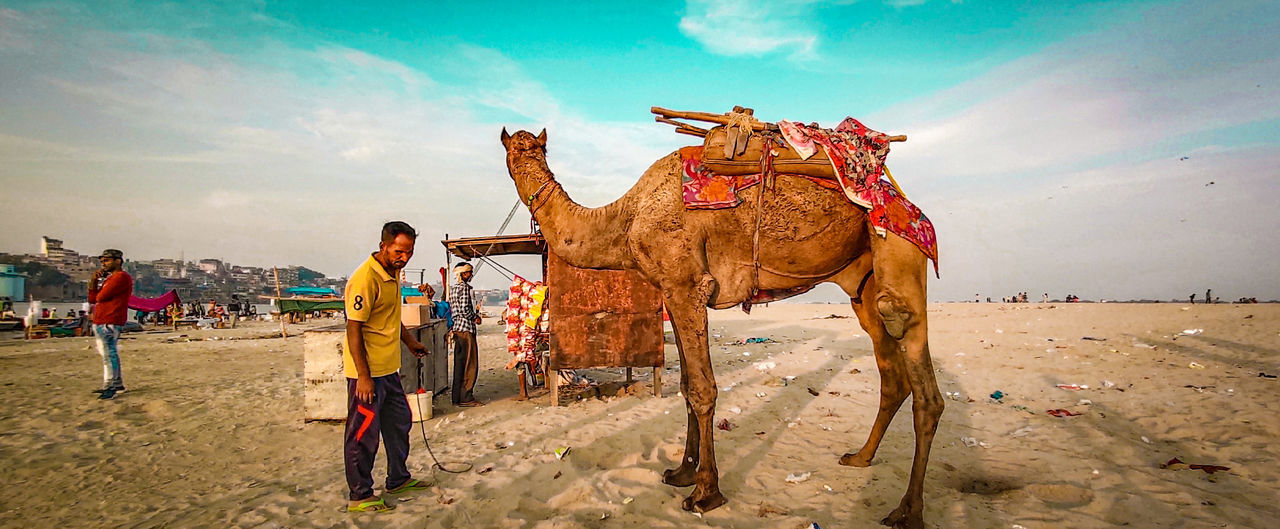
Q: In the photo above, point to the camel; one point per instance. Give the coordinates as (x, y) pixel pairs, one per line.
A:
(704, 259)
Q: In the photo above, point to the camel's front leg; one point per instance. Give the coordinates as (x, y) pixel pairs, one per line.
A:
(688, 310)
(682, 476)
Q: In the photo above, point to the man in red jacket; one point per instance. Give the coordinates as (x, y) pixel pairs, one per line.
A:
(109, 292)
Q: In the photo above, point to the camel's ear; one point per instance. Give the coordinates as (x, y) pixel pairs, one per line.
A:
(506, 138)
(542, 138)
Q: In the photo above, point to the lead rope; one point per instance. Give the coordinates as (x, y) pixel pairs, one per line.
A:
(463, 466)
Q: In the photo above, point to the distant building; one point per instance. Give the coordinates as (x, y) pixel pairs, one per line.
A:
(70, 262)
(213, 267)
(168, 268)
(12, 283)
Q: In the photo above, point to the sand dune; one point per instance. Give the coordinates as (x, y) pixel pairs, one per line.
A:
(210, 433)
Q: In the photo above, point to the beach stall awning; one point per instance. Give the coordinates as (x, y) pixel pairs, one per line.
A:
(474, 247)
(308, 305)
(311, 291)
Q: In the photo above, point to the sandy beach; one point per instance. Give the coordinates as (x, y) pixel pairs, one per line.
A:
(211, 430)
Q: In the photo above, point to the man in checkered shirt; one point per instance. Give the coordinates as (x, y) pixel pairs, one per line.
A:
(466, 358)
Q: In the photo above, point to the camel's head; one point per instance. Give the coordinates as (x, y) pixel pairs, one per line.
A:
(524, 143)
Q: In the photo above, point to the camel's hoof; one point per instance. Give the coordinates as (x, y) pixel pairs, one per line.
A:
(706, 504)
(854, 460)
(900, 519)
(681, 476)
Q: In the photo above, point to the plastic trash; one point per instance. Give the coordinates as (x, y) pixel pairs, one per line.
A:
(725, 425)
(1062, 413)
(764, 366)
(1195, 365)
(561, 452)
(798, 477)
(997, 395)
(1073, 387)
(1021, 432)
(1093, 339)
(1190, 332)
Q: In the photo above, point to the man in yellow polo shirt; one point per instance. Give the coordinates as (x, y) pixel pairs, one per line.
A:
(376, 403)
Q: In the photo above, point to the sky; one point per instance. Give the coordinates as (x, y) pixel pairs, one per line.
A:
(1112, 150)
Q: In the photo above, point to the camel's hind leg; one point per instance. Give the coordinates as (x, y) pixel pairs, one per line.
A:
(894, 386)
(901, 272)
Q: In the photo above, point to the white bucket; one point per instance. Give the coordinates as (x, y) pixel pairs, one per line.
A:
(420, 401)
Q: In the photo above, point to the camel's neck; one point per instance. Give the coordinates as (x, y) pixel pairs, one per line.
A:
(583, 237)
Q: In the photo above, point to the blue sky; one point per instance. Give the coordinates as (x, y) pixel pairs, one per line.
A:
(1047, 138)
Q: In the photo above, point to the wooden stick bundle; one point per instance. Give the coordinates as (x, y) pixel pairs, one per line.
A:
(669, 117)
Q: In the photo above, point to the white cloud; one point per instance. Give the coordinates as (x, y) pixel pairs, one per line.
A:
(729, 27)
(1059, 172)
(180, 147)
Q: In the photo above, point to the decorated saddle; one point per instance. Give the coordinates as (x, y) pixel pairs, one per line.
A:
(849, 159)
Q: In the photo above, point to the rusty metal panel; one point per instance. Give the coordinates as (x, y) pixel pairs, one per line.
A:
(602, 318)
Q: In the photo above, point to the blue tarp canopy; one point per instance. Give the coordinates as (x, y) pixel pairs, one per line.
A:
(311, 291)
(409, 291)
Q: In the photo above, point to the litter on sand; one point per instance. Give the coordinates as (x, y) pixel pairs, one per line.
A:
(1265, 375)
(754, 339)
(1178, 464)
(1195, 365)
(764, 366)
(725, 425)
(1072, 387)
(997, 395)
(561, 452)
(1093, 339)
(1062, 413)
(1190, 332)
(798, 477)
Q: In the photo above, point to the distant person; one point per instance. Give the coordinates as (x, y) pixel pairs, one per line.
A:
(376, 403)
(233, 311)
(44, 314)
(109, 292)
(466, 358)
(1046, 297)
(1208, 296)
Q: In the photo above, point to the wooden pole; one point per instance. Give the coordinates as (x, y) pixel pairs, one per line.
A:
(721, 119)
(283, 332)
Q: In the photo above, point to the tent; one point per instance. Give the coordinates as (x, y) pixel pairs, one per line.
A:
(154, 304)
